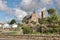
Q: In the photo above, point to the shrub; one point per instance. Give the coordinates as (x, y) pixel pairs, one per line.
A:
(26, 30)
(48, 31)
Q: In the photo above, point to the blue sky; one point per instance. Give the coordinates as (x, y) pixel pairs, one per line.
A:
(4, 16)
(17, 9)
(10, 3)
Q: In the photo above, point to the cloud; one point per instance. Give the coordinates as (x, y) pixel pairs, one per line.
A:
(29, 5)
(24, 7)
(47, 1)
(20, 14)
(3, 6)
(26, 2)
(12, 11)
(58, 6)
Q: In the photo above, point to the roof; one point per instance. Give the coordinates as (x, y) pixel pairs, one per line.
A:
(27, 17)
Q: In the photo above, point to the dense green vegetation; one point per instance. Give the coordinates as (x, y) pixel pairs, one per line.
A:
(51, 22)
(49, 25)
(27, 30)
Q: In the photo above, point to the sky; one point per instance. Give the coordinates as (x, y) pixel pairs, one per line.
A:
(18, 9)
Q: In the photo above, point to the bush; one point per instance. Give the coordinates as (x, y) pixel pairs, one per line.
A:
(26, 30)
(42, 21)
(56, 29)
(48, 31)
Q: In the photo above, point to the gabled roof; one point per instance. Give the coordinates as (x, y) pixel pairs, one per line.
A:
(27, 17)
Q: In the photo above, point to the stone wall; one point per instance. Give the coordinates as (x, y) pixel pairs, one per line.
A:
(33, 37)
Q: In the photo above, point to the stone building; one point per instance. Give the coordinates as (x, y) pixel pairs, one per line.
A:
(43, 13)
(34, 17)
(31, 19)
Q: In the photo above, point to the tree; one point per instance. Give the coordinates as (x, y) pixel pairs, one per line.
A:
(51, 11)
(12, 21)
(53, 17)
(42, 21)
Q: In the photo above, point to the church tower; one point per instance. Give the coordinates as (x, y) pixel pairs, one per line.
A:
(34, 17)
(43, 13)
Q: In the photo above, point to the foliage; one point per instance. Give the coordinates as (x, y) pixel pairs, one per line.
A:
(53, 29)
(26, 30)
(53, 17)
(56, 28)
(24, 20)
(48, 31)
(33, 22)
(12, 21)
(42, 21)
(51, 11)
(51, 20)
